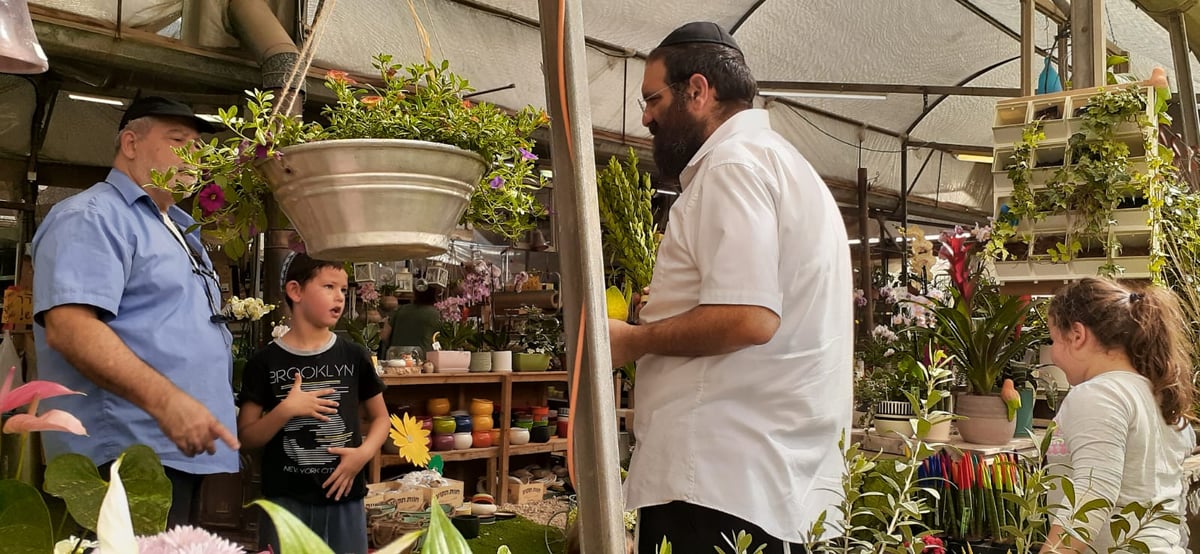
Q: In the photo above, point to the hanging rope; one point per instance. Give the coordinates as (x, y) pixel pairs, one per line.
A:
(299, 71)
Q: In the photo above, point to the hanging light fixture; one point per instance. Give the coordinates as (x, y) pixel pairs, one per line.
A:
(20, 52)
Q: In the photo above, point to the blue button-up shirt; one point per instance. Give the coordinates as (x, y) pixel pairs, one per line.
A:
(109, 247)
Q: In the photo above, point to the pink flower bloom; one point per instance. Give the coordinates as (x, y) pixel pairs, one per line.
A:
(211, 199)
(24, 394)
(186, 539)
(53, 420)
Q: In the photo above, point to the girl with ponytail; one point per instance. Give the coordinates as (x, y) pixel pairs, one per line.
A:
(1123, 430)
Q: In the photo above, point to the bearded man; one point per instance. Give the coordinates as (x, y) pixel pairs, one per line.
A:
(745, 347)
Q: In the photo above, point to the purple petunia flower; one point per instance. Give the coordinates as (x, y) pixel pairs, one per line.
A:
(525, 154)
(496, 182)
(211, 199)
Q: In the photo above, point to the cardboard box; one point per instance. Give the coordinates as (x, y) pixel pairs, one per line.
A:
(404, 498)
(526, 493)
(451, 494)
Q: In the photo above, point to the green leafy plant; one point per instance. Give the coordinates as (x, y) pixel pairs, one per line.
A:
(541, 333)
(455, 335)
(1096, 175)
(984, 335)
(629, 236)
(418, 102)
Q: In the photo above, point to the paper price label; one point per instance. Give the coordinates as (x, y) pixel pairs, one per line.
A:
(18, 307)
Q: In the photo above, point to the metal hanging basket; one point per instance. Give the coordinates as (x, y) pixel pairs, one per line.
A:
(374, 199)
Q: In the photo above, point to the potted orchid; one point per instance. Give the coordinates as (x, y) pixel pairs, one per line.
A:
(395, 166)
(247, 312)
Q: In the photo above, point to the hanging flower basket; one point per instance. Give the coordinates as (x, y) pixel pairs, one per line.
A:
(373, 199)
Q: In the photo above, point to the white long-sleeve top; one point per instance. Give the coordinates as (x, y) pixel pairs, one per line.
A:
(1114, 444)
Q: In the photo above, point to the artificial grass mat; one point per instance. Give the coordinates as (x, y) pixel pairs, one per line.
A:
(521, 535)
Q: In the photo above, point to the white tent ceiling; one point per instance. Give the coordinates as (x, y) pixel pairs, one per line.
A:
(496, 42)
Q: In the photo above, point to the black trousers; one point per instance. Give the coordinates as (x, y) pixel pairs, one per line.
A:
(693, 529)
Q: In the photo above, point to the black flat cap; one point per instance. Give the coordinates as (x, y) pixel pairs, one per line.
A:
(700, 31)
(164, 107)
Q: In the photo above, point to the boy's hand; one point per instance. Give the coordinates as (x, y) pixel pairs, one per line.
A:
(339, 483)
(300, 403)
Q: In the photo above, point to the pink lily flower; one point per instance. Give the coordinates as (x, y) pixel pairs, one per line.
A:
(24, 394)
(31, 393)
(53, 420)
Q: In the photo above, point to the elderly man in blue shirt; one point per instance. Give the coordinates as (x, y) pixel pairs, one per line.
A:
(127, 310)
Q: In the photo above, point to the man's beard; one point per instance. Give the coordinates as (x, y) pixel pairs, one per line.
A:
(677, 137)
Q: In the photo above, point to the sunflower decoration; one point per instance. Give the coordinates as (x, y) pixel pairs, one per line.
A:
(411, 439)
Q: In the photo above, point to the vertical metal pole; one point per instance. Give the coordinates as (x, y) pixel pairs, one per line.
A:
(597, 467)
(1183, 77)
(864, 252)
(1087, 43)
(1064, 64)
(1027, 48)
(903, 210)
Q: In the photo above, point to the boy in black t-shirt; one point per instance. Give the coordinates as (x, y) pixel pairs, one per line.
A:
(301, 398)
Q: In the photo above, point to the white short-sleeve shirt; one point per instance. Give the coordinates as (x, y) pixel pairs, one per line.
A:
(1110, 438)
(753, 433)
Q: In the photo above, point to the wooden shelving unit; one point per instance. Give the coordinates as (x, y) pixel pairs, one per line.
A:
(467, 386)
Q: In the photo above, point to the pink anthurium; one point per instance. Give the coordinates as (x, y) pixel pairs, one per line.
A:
(53, 420)
(24, 394)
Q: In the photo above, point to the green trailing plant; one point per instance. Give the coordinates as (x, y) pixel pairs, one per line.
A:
(1096, 176)
(421, 101)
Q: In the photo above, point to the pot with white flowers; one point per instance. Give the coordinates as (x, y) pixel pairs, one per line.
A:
(397, 166)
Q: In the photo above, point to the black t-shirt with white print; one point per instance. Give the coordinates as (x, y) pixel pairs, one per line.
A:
(296, 461)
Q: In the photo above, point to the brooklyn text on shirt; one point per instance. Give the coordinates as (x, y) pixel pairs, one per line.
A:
(309, 372)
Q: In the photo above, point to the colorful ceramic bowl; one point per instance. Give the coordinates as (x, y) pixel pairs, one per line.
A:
(444, 425)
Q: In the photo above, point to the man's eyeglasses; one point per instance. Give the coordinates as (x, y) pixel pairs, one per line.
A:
(642, 102)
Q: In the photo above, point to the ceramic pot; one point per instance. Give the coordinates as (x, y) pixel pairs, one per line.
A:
(438, 406)
(502, 361)
(481, 423)
(1025, 412)
(495, 433)
(426, 423)
(462, 441)
(481, 362)
(539, 433)
(481, 406)
(389, 302)
(939, 432)
(444, 425)
(541, 414)
(523, 361)
(442, 443)
(467, 525)
(449, 359)
(462, 424)
(893, 418)
(518, 435)
(481, 439)
(986, 419)
(562, 427)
